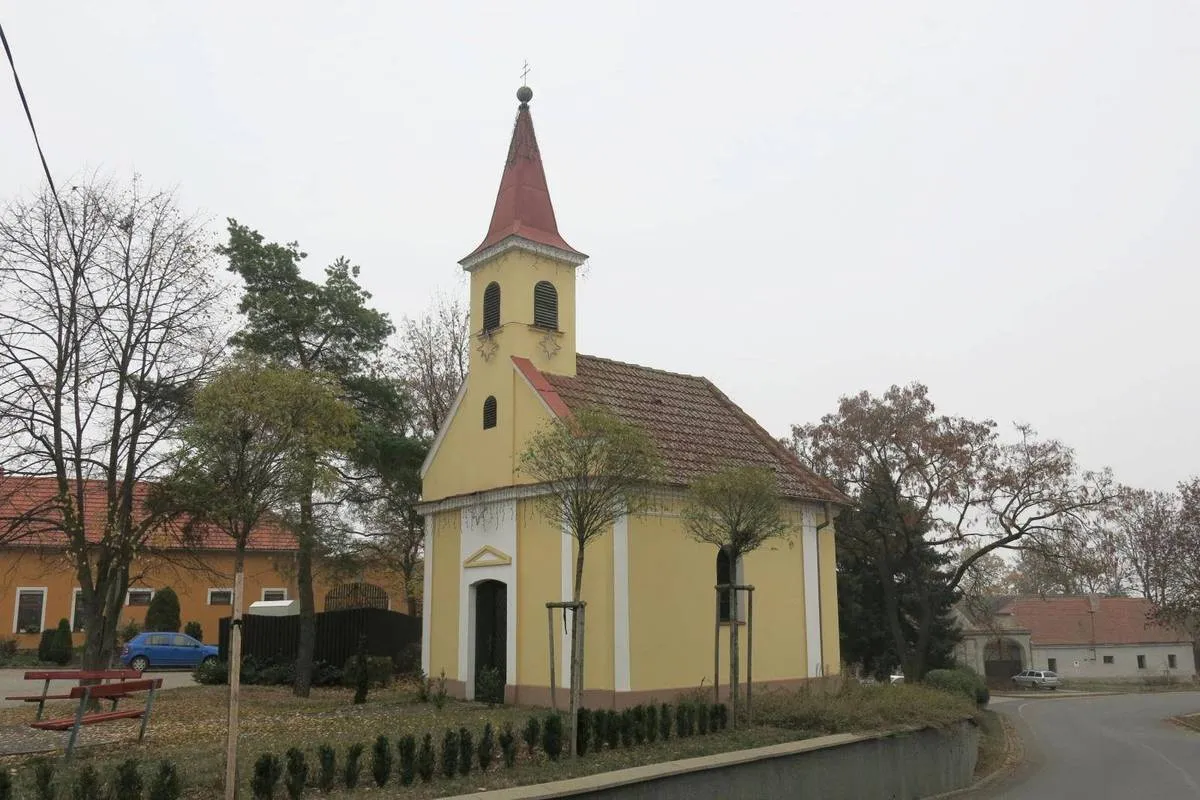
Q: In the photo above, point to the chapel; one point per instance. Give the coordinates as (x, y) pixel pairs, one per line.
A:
(492, 561)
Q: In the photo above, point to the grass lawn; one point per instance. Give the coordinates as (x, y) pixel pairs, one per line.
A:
(188, 727)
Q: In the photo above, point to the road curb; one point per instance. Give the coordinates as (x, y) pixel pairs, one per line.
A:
(1014, 754)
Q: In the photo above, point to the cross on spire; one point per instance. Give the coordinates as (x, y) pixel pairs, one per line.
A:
(525, 74)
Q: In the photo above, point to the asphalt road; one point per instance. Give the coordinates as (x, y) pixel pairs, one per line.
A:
(12, 682)
(1120, 746)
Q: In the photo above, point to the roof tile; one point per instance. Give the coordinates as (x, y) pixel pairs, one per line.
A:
(1068, 620)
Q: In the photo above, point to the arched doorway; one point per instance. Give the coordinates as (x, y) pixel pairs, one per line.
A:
(490, 638)
(1002, 658)
(356, 595)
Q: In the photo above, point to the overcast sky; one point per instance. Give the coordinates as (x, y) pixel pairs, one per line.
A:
(798, 200)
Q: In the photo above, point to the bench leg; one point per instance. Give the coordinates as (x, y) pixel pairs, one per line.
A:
(83, 701)
(42, 702)
(146, 716)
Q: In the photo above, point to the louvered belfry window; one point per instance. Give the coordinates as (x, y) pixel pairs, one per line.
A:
(489, 413)
(491, 307)
(545, 305)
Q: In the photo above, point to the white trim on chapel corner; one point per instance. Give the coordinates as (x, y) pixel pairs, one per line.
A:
(441, 434)
(17, 605)
(427, 578)
(812, 594)
(621, 677)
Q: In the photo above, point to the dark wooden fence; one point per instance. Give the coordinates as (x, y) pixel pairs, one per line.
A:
(389, 633)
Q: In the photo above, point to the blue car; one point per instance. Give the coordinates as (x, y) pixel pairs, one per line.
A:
(166, 650)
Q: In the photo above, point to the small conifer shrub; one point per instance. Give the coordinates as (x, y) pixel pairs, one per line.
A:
(408, 759)
(326, 768)
(353, 766)
(43, 780)
(487, 747)
(583, 731)
(297, 772)
(127, 781)
(532, 734)
(466, 751)
(267, 772)
(381, 760)
(450, 754)
(166, 784)
(426, 763)
(664, 721)
(552, 736)
(613, 726)
(508, 745)
(87, 784)
(651, 722)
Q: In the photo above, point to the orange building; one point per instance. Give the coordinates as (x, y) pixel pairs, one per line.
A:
(38, 584)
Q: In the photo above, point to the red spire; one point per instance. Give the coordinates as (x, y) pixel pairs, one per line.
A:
(523, 205)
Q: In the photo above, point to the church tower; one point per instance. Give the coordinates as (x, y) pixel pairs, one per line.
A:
(523, 273)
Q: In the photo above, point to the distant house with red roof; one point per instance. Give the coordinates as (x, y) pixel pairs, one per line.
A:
(38, 584)
(1078, 636)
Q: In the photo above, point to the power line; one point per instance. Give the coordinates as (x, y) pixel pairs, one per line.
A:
(45, 167)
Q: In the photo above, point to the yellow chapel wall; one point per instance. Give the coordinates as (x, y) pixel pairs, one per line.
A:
(539, 580)
(442, 606)
(831, 648)
(673, 605)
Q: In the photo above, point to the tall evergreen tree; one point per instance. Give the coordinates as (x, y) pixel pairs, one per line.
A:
(325, 328)
(894, 587)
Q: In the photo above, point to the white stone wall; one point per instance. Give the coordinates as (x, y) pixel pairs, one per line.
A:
(1084, 662)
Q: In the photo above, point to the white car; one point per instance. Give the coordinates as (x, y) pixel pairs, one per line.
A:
(1037, 679)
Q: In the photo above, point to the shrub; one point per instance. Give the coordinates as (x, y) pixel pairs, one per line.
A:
(46, 645)
(552, 736)
(599, 729)
(408, 759)
(626, 726)
(195, 630)
(684, 719)
(583, 731)
(62, 648)
(720, 716)
(487, 747)
(362, 676)
(612, 724)
(381, 760)
(425, 761)
(664, 721)
(43, 780)
(508, 745)
(211, 673)
(129, 630)
(638, 714)
(439, 694)
(961, 680)
(326, 768)
(127, 782)
(489, 686)
(6, 785)
(266, 775)
(352, 767)
(651, 722)
(466, 751)
(8, 650)
(166, 784)
(450, 754)
(379, 671)
(87, 784)
(702, 710)
(163, 613)
(408, 660)
(297, 773)
(532, 734)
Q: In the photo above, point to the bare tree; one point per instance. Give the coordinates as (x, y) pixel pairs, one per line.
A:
(107, 323)
(595, 468)
(433, 354)
(1149, 541)
(963, 488)
(737, 509)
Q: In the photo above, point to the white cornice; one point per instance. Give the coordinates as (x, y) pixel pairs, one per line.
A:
(514, 242)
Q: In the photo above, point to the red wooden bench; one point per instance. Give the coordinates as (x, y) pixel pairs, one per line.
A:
(112, 691)
(69, 675)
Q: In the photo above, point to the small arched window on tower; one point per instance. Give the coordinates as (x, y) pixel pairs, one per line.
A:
(491, 307)
(545, 305)
(489, 413)
(724, 578)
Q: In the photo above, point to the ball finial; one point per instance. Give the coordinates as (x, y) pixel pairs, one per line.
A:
(524, 94)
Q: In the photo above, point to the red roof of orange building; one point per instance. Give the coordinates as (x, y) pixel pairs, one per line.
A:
(1069, 620)
(523, 206)
(34, 499)
(695, 426)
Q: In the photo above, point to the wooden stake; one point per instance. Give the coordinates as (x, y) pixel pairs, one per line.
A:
(235, 676)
